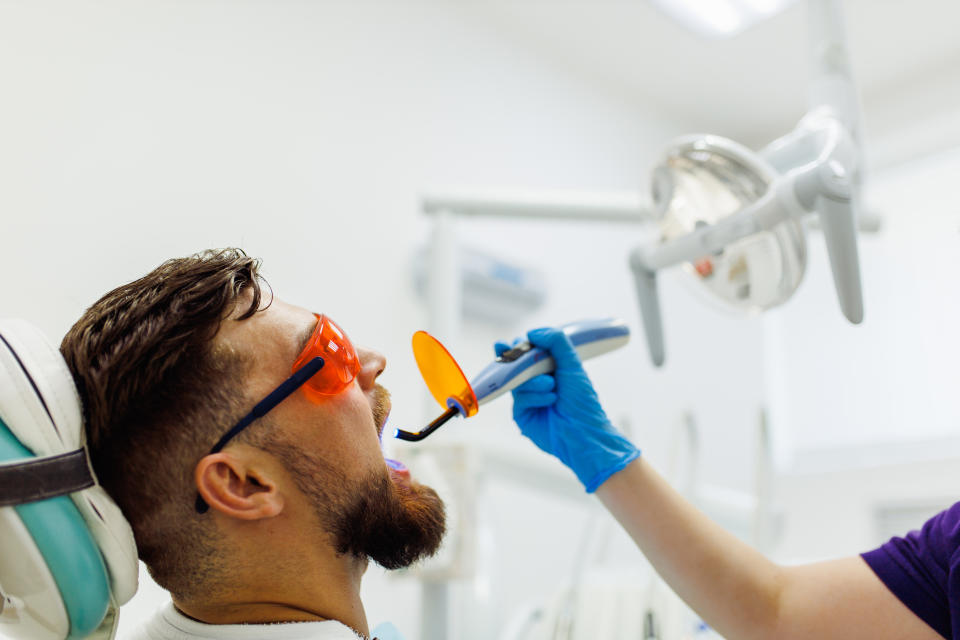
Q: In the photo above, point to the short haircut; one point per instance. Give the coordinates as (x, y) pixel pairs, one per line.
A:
(157, 395)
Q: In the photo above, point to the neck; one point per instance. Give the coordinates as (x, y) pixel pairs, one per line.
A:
(322, 587)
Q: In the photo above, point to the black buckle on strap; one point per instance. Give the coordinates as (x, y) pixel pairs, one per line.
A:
(41, 478)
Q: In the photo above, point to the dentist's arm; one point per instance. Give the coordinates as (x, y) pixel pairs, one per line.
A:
(736, 590)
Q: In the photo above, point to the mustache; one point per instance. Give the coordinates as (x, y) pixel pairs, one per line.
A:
(381, 406)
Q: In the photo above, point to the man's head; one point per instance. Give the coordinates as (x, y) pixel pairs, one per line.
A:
(169, 363)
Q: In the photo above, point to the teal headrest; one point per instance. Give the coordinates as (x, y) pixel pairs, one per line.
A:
(68, 550)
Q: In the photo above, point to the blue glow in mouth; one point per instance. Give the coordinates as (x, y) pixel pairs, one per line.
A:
(396, 465)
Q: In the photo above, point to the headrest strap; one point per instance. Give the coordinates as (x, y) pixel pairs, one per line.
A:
(42, 478)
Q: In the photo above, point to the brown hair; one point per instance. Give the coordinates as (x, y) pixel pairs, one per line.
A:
(157, 395)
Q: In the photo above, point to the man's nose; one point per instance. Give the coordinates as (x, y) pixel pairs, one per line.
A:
(372, 365)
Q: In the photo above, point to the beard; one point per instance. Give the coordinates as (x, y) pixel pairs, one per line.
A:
(390, 522)
(380, 517)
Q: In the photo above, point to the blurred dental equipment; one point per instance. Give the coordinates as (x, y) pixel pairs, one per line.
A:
(732, 216)
(523, 361)
(497, 291)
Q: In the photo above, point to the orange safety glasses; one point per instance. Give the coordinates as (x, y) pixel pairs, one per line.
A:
(325, 367)
(341, 363)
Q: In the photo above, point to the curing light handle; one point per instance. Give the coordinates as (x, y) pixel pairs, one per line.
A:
(590, 338)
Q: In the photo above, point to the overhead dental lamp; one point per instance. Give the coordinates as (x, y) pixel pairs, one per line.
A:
(732, 217)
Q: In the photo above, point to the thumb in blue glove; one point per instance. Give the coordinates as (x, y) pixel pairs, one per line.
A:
(562, 414)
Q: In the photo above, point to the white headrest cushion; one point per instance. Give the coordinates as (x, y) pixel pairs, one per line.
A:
(40, 405)
(38, 400)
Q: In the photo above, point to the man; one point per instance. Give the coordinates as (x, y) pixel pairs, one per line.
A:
(909, 588)
(240, 437)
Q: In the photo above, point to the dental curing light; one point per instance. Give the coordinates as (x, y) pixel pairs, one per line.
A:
(733, 216)
(515, 366)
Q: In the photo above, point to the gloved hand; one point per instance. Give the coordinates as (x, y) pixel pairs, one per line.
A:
(561, 413)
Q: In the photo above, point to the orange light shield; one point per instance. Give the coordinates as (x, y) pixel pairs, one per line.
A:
(442, 374)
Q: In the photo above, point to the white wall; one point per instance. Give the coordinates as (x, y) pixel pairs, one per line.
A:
(303, 132)
(838, 513)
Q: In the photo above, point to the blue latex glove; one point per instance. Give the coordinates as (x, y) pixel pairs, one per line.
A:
(561, 413)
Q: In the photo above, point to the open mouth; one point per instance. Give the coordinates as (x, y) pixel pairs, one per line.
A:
(381, 415)
(398, 467)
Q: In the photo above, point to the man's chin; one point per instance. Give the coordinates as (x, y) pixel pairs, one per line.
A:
(425, 526)
(395, 522)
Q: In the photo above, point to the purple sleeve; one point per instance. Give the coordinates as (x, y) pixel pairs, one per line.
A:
(919, 569)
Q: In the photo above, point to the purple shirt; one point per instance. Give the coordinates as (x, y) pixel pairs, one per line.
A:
(923, 570)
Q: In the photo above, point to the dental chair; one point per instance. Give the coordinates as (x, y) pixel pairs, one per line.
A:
(67, 555)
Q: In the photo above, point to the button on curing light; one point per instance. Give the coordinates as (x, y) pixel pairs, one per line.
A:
(523, 361)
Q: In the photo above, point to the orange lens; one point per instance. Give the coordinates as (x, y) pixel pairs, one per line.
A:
(442, 373)
(340, 361)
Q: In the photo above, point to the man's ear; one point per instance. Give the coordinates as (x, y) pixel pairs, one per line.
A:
(234, 487)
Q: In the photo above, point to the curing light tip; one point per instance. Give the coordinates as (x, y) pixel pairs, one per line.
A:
(430, 428)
